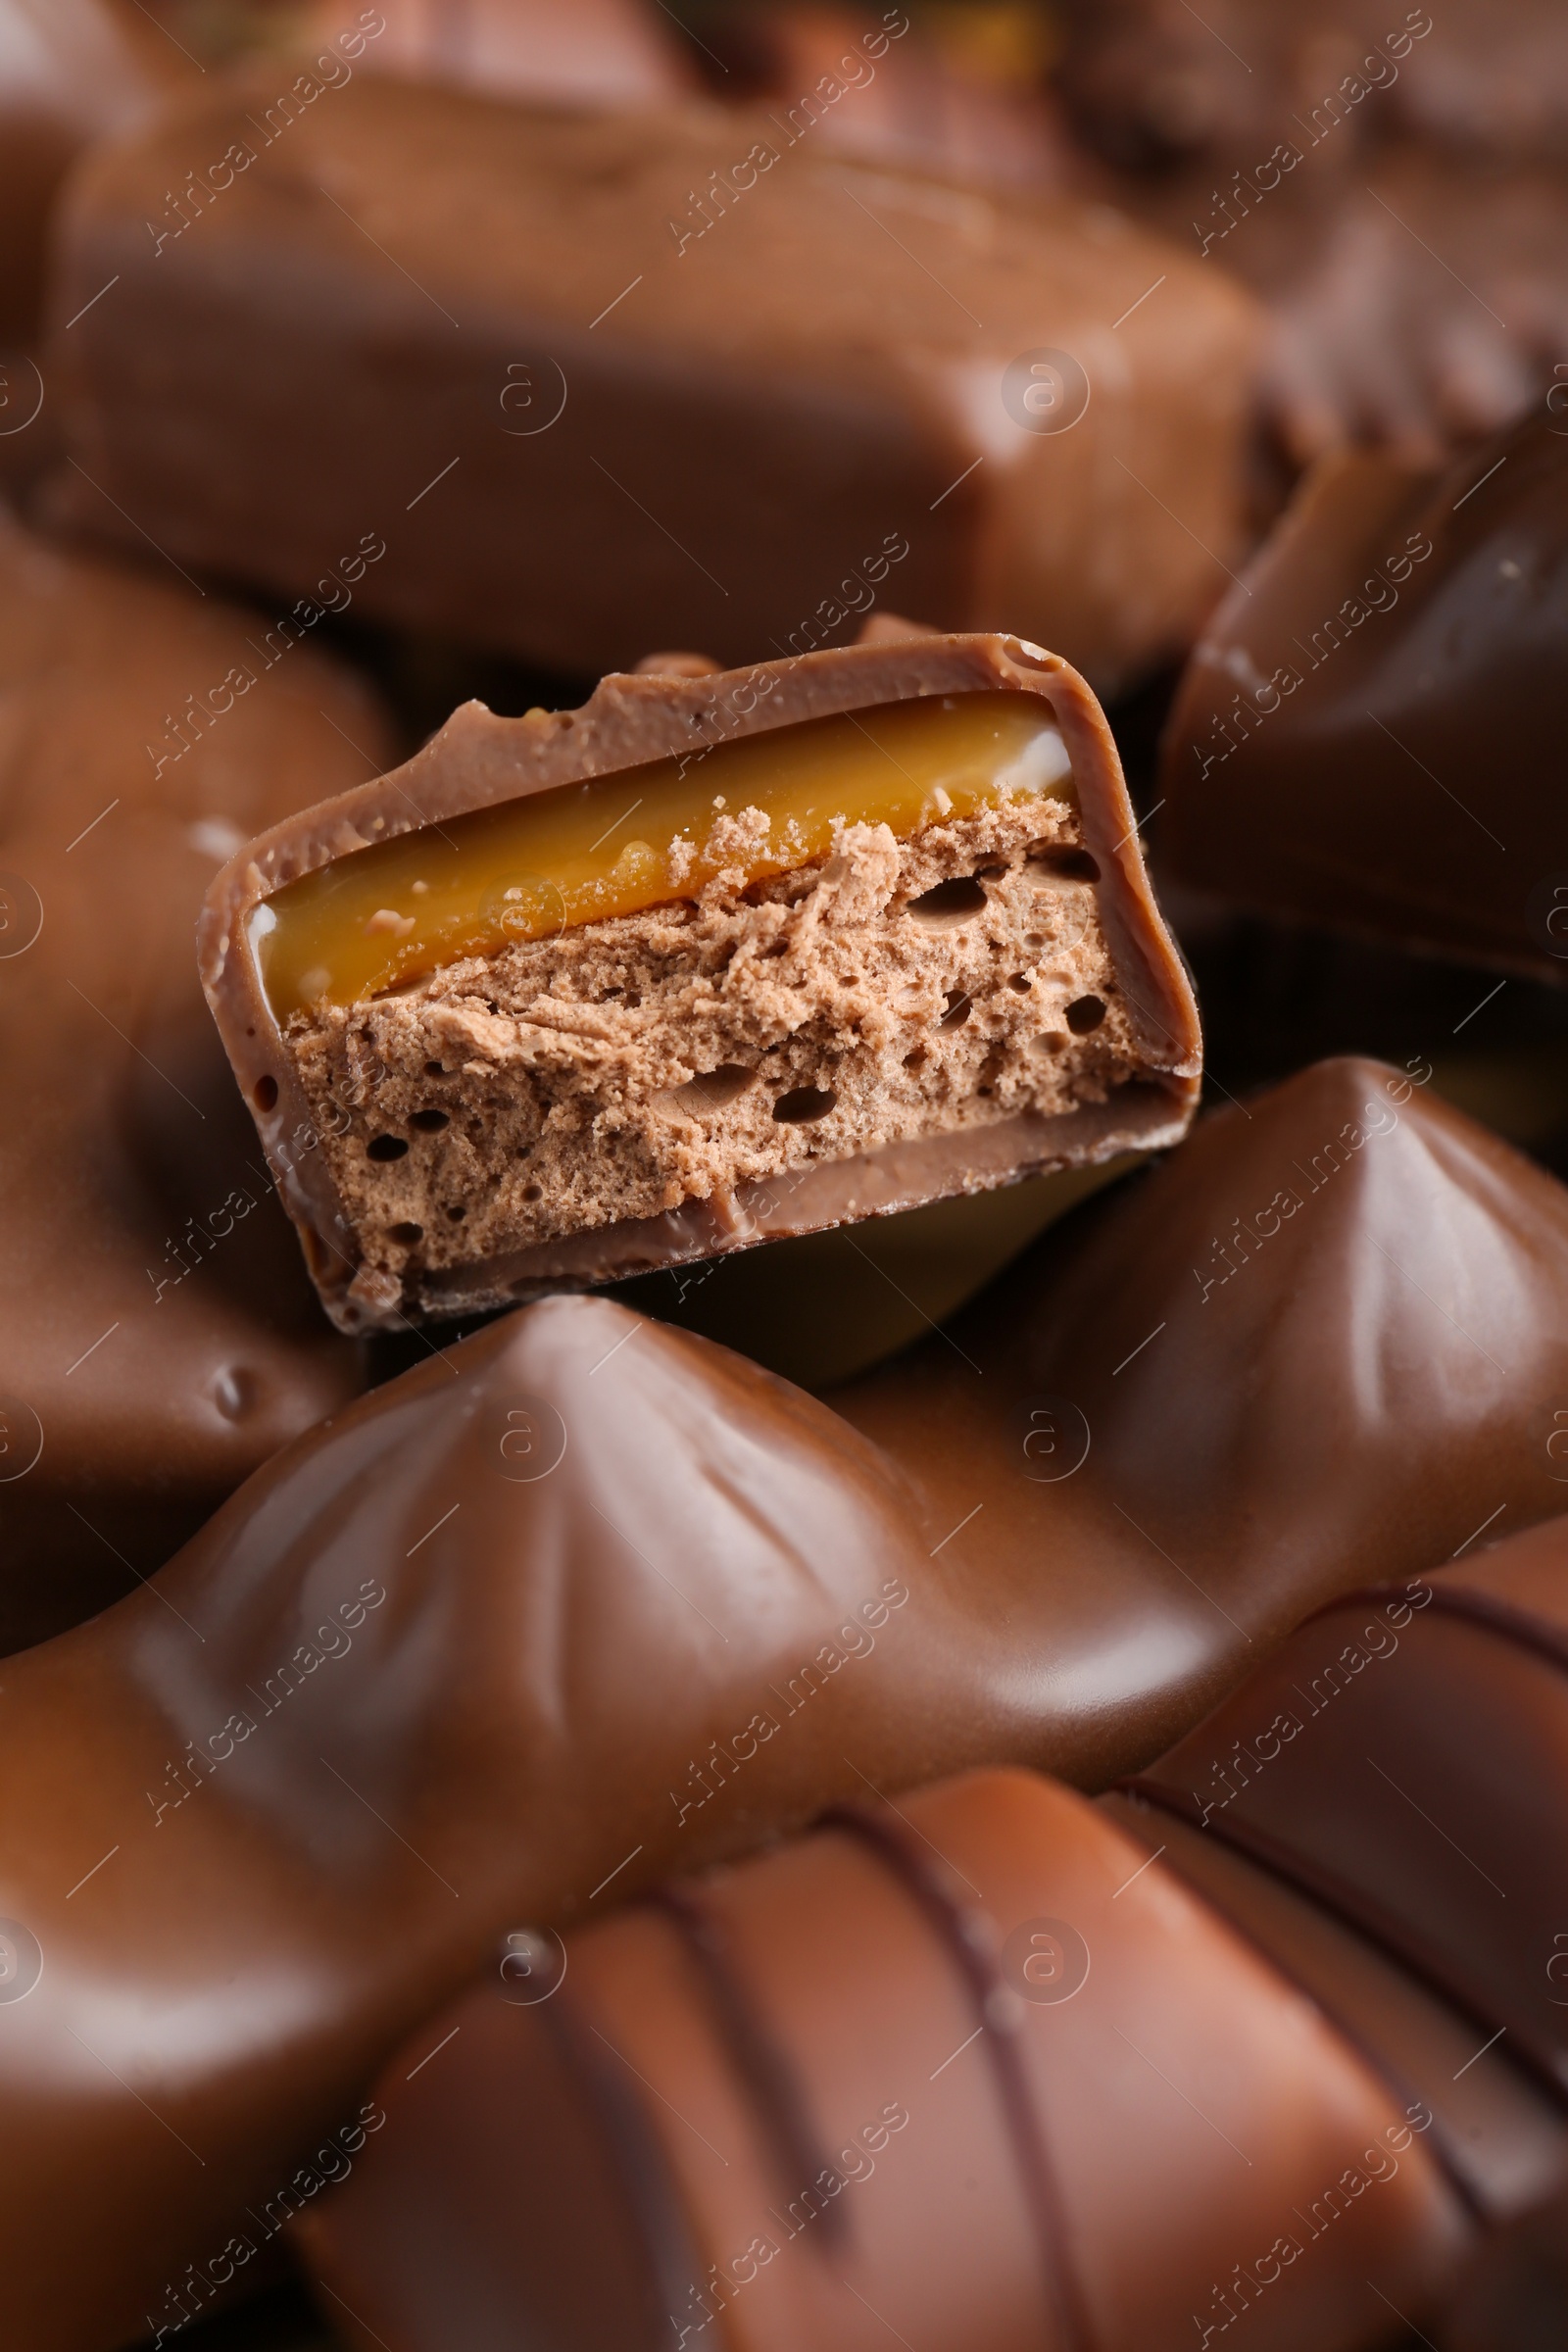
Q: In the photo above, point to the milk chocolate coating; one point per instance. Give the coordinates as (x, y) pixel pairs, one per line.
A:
(483, 1628)
(1369, 733)
(1159, 2091)
(71, 72)
(1400, 1761)
(1311, 1346)
(160, 1342)
(988, 2166)
(586, 423)
(1514, 2295)
(583, 1602)
(478, 760)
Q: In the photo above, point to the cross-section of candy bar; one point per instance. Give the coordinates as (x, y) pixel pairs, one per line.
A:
(713, 959)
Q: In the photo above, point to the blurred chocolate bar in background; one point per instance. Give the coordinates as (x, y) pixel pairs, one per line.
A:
(1368, 741)
(609, 382)
(1513, 2297)
(1370, 734)
(160, 1338)
(72, 72)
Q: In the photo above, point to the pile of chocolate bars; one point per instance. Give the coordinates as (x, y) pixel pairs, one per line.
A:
(784, 1275)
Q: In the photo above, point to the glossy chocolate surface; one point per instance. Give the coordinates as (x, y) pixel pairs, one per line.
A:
(1136, 1997)
(1400, 1761)
(1514, 2296)
(160, 1338)
(542, 334)
(468, 1653)
(685, 1606)
(1369, 734)
(1172, 2106)
(479, 762)
(1310, 1347)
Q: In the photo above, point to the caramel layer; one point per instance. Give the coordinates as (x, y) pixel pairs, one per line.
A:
(525, 870)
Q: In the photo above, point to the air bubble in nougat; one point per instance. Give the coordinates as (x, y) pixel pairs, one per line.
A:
(713, 1090)
(804, 1103)
(1058, 862)
(949, 903)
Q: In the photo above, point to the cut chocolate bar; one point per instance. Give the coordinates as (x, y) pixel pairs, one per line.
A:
(711, 960)
(608, 383)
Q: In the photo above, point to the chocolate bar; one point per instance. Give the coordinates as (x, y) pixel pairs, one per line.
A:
(1309, 1776)
(595, 389)
(75, 71)
(991, 2062)
(1367, 737)
(714, 958)
(582, 1602)
(159, 1341)
(1317, 1303)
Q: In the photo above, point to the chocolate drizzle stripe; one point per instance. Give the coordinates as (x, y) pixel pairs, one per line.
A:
(1444, 2148)
(1367, 1595)
(639, 2160)
(982, 1978)
(1543, 1640)
(1367, 1917)
(775, 2082)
